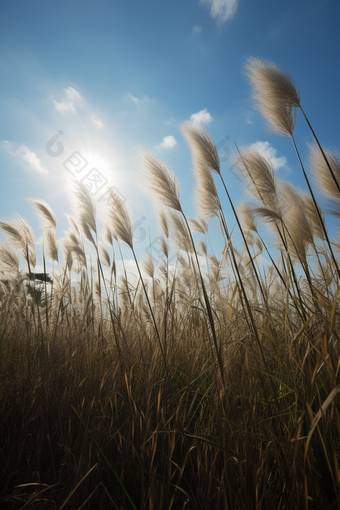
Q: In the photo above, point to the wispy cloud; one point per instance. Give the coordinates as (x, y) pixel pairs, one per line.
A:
(168, 143)
(71, 97)
(171, 121)
(222, 10)
(196, 29)
(136, 100)
(202, 117)
(97, 121)
(267, 151)
(24, 155)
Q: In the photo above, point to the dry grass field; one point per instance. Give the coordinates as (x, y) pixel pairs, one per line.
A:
(206, 383)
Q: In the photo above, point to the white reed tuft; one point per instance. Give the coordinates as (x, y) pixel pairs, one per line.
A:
(321, 171)
(149, 266)
(119, 221)
(198, 225)
(246, 216)
(275, 94)
(160, 180)
(300, 234)
(105, 256)
(83, 205)
(260, 175)
(164, 247)
(21, 236)
(164, 223)
(202, 247)
(46, 215)
(180, 233)
(51, 244)
(49, 222)
(313, 216)
(9, 260)
(205, 161)
(203, 148)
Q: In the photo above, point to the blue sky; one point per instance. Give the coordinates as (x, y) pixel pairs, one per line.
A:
(114, 76)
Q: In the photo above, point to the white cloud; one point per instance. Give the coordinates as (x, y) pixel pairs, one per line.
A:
(64, 106)
(268, 152)
(98, 122)
(202, 117)
(221, 9)
(168, 143)
(137, 101)
(249, 121)
(72, 96)
(24, 154)
(196, 29)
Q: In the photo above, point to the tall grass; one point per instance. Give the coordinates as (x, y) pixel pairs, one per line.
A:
(196, 385)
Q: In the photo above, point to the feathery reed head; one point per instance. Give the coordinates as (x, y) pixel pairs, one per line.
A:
(21, 236)
(149, 266)
(49, 222)
(312, 212)
(83, 205)
(51, 244)
(105, 256)
(107, 236)
(275, 94)
(206, 196)
(300, 234)
(46, 215)
(164, 247)
(199, 225)
(203, 148)
(163, 223)
(268, 81)
(180, 233)
(321, 171)
(260, 175)
(119, 221)
(9, 260)
(246, 216)
(160, 180)
(202, 247)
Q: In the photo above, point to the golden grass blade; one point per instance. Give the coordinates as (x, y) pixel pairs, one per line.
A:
(335, 391)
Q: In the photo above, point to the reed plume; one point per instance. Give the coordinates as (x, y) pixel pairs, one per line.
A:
(179, 233)
(21, 236)
(163, 223)
(205, 160)
(313, 214)
(260, 175)
(199, 225)
(46, 214)
(321, 172)
(51, 244)
(83, 207)
(160, 180)
(105, 256)
(9, 260)
(119, 221)
(275, 95)
(300, 234)
(149, 266)
(203, 148)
